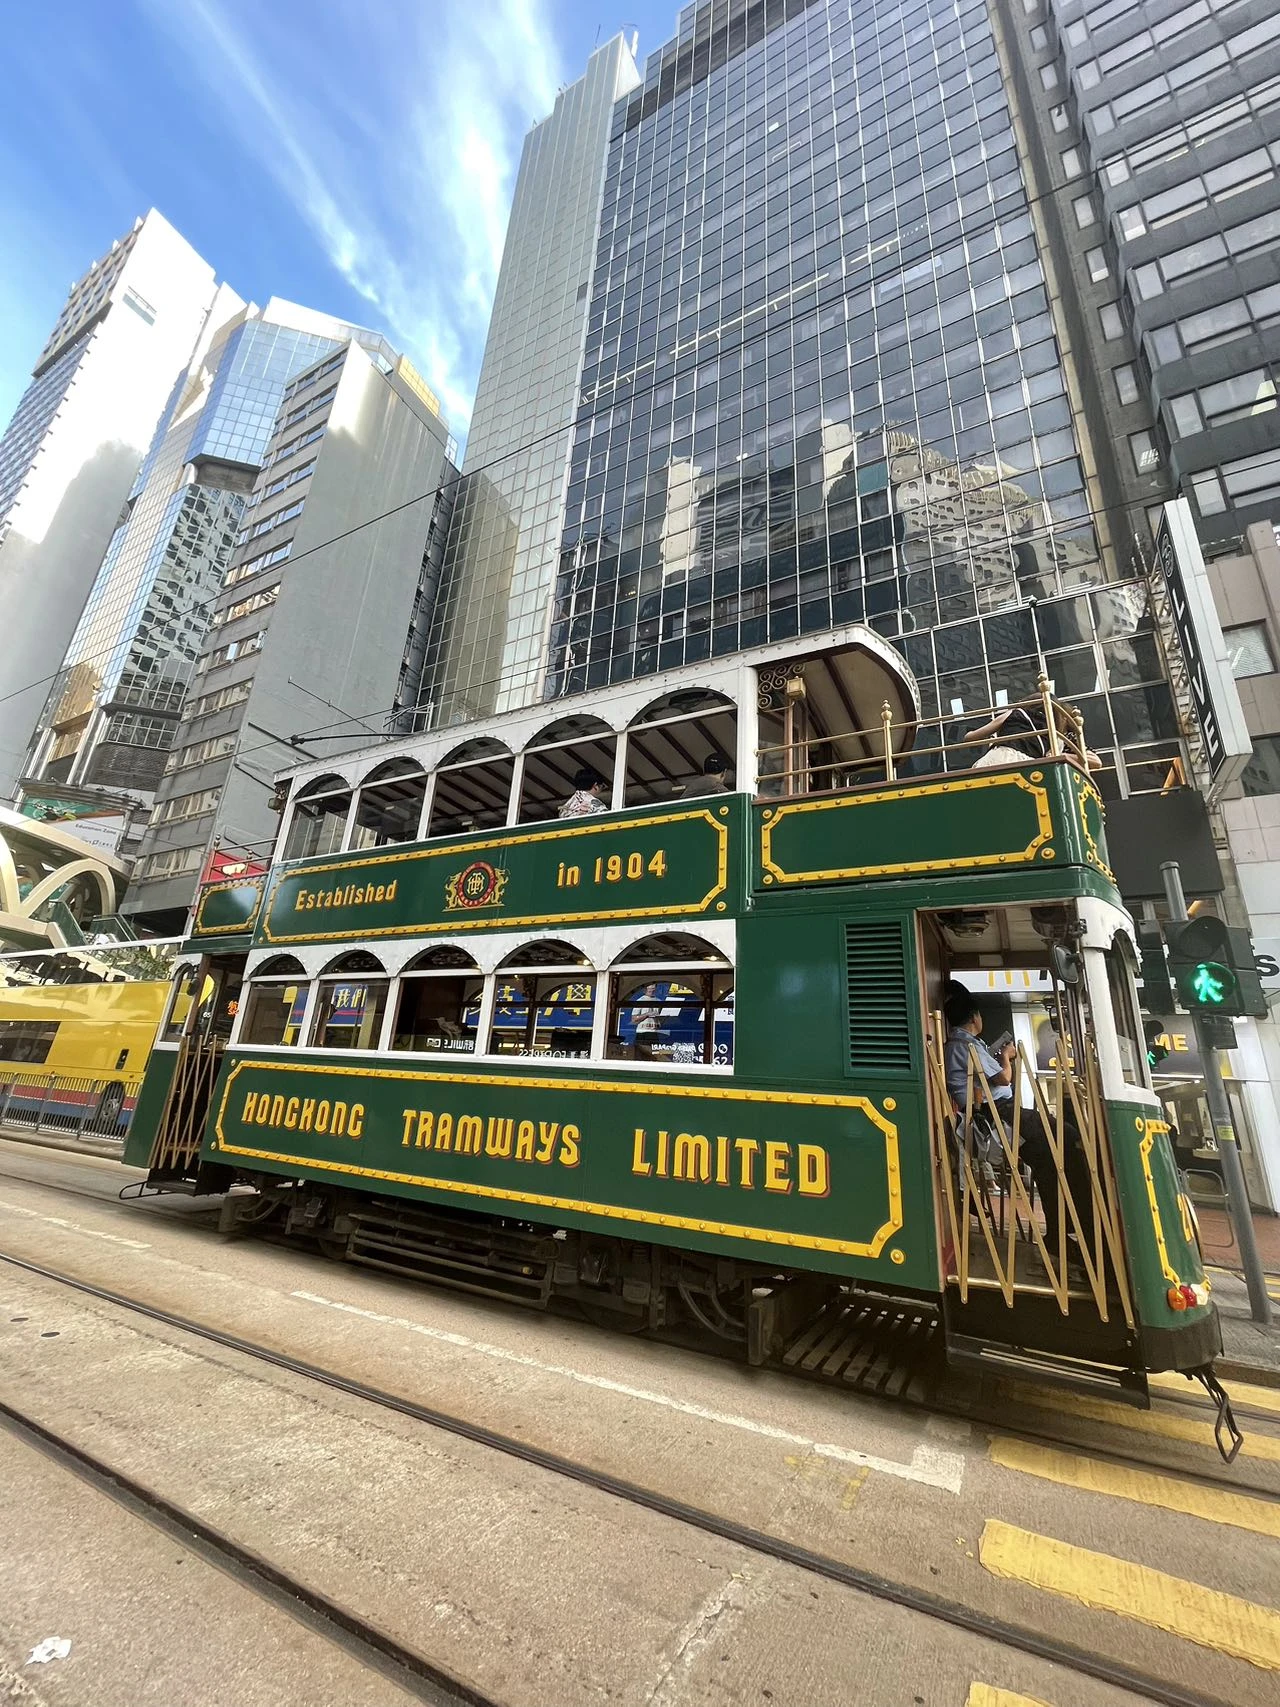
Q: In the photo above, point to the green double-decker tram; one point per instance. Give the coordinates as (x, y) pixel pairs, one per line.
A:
(685, 1057)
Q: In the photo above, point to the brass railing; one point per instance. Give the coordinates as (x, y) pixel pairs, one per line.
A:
(76, 1105)
(792, 766)
(994, 1166)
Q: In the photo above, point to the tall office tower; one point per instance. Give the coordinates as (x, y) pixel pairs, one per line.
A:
(342, 533)
(1153, 131)
(111, 714)
(70, 454)
(485, 651)
(826, 379)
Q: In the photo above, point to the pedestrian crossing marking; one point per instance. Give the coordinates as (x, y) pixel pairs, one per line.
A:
(987, 1695)
(1198, 1432)
(1201, 1615)
(1146, 1487)
(1242, 1392)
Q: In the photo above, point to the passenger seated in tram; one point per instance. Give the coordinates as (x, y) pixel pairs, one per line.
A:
(1015, 734)
(715, 771)
(590, 789)
(964, 1037)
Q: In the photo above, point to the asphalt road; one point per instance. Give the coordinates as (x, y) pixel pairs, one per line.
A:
(527, 1587)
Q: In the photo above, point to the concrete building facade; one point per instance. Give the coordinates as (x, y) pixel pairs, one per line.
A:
(313, 627)
(110, 717)
(69, 457)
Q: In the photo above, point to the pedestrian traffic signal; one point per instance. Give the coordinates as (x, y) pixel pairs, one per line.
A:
(1213, 967)
(1157, 1048)
(1157, 990)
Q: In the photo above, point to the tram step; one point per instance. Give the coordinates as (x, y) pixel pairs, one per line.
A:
(1129, 1386)
(497, 1261)
(878, 1345)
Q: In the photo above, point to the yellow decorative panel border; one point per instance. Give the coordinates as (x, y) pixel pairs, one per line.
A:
(1086, 791)
(453, 926)
(1149, 1129)
(1030, 785)
(611, 1211)
(242, 928)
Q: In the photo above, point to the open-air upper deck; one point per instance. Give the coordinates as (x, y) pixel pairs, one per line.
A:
(832, 777)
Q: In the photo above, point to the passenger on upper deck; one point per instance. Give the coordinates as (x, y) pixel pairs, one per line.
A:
(590, 789)
(712, 780)
(1015, 735)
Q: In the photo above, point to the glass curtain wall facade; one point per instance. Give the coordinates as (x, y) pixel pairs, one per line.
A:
(485, 649)
(111, 716)
(822, 380)
(1176, 108)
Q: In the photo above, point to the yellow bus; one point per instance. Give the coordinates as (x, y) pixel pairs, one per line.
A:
(76, 1031)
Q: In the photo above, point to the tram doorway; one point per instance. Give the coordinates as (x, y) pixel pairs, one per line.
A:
(1028, 1207)
(204, 1006)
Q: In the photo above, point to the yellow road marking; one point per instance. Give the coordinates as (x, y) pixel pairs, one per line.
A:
(1143, 1486)
(1105, 1584)
(987, 1695)
(1198, 1432)
(1261, 1398)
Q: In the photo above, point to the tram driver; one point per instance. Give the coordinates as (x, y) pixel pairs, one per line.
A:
(964, 1039)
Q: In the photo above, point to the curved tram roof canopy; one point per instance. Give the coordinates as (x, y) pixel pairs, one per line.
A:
(848, 676)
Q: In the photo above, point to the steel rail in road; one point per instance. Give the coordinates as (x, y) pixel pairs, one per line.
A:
(937, 1607)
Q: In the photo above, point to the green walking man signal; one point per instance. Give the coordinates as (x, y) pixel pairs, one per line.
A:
(1212, 967)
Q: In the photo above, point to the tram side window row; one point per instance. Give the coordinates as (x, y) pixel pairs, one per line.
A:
(668, 998)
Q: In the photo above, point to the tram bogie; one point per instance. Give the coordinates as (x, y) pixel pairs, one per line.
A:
(687, 1058)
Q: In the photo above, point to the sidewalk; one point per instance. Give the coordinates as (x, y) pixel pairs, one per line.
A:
(1250, 1352)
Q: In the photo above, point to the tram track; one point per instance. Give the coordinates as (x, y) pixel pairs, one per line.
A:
(425, 1675)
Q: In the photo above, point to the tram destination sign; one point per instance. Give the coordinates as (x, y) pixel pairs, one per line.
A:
(676, 862)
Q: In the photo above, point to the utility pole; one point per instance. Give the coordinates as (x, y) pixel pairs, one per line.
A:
(1224, 1131)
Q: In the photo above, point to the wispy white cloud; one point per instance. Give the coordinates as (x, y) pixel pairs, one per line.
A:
(396, 134)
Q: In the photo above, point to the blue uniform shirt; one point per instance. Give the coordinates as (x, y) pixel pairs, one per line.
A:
(959, 1043)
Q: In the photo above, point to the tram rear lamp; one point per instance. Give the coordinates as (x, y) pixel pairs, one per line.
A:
(1177, 1298)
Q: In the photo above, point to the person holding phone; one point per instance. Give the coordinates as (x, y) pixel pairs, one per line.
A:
(964, 1038)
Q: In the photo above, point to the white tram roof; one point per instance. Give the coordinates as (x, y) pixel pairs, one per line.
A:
(852, 668)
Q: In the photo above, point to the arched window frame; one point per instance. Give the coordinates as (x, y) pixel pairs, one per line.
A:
(413, 971)
(280, 969)
(333, 975)
(331, 785)
(643, 723)
(661, 968)
(450, 764)
(403, 768)
(582, 968)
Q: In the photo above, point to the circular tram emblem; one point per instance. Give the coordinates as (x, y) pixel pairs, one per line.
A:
(476, 885)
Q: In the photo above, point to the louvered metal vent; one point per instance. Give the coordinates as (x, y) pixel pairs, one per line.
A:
(880, 997)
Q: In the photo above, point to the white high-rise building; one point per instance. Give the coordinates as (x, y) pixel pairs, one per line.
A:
(70, 454)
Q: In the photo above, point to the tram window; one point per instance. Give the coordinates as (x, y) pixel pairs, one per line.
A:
(274, 1009)
(319, 819)
(24, 1040)
(555, 756)
(672, 1000)
(543, 1002)
(389, 806)
(1120, 984)
(550, 1014)
(683, 1017)
(349, 1013)
(439, 1006)
(473, 789)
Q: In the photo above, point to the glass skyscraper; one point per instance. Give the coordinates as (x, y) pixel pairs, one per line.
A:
(110, 716)
(823, 379)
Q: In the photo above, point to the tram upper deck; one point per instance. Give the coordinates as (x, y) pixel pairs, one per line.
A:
(833, 777)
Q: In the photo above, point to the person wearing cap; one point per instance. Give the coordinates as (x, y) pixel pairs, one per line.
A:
(712, 781)
(588, 796)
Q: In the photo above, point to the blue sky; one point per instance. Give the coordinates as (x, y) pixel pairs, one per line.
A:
(357, 156)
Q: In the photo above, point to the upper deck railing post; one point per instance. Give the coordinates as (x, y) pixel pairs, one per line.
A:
(1050, 716)
(886, 724)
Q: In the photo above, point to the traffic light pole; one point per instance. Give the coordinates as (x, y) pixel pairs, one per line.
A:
(1224, 1131)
